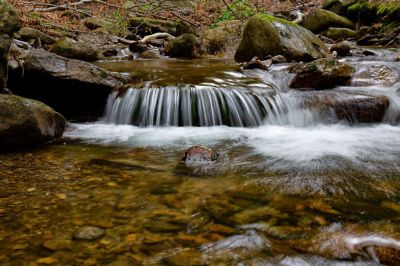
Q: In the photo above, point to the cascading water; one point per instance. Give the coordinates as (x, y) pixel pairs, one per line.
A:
(193, 106)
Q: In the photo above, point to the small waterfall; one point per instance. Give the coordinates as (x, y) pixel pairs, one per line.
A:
(193, 106)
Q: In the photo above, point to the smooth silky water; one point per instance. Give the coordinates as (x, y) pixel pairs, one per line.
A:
(292, 186)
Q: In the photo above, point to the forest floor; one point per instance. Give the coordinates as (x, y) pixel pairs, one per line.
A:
(67, 15)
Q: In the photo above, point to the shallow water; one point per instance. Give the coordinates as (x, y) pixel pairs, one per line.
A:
(295, 191)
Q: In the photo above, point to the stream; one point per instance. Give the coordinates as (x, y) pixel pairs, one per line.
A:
(294, 184)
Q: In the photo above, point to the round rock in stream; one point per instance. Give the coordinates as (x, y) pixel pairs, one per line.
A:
(200, 154)
(89, 233)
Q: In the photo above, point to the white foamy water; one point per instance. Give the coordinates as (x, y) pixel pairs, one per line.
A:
(284, 145)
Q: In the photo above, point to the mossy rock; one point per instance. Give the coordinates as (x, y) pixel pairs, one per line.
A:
(9, 21)
(184, 46)
(224, 39)
(143, 26)
(265, 35)
(75, 49)
(27, 34)
(27, 122)
(320, 20)
(363, 11)
(340, 34)
(338, 6)
(321, 74)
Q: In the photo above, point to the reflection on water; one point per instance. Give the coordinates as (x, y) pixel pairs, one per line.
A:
(293, 191)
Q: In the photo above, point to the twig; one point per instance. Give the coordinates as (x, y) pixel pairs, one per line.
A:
(62, 7)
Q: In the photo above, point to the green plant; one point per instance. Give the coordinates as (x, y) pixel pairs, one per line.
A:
(236, 8)
(120, 25)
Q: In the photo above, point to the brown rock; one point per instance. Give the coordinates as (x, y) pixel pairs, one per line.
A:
(200, 154)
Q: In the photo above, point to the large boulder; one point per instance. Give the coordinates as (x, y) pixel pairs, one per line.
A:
(72, 87)
(186, 46)
(75, 49)
(321, 74)
(27, 122)
(27, 34)
(224, 39)
(266, 35)
(354, 108)
(8, 25)
(320, 20)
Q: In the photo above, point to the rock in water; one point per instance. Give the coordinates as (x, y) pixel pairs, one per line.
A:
(320, 20)
(186, 45)
(257, 63)
(70, 48)
(72, 87)
(200, 154)
(343, 48)
(8, 25)
(27, 122)
(266, 35)
(321, 74)
(89, 233)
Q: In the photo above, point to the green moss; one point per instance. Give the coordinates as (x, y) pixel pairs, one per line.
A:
(270, 18)
(390, 11)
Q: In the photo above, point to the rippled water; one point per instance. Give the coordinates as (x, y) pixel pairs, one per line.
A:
(297, 190)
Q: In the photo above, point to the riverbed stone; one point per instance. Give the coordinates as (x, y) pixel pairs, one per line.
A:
(200, 154)
(320, 20)
(186, 45)
(67, 85)
(89, 233)
(265, 35)
(72, 49)
(343, 48)
(27, 122)
(144, 26)
(321, 74)
(350, 107)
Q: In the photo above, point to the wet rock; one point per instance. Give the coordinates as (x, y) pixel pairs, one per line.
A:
(354, 108)
(343, 48)
(110, 52)
(321, 74)
(27, 34)
(62, 82)
(27, 122)
(320, 20)
(186, 45)
(338, 6)
(150, 54)
(397, 58)
(266, 35)
(278, 59)
(257, 63)
(80, 50)
(138, 47)
(200, 154)
(224, 39)
(89, 233)
(8, 25)
(387, 255)
(340, 33)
